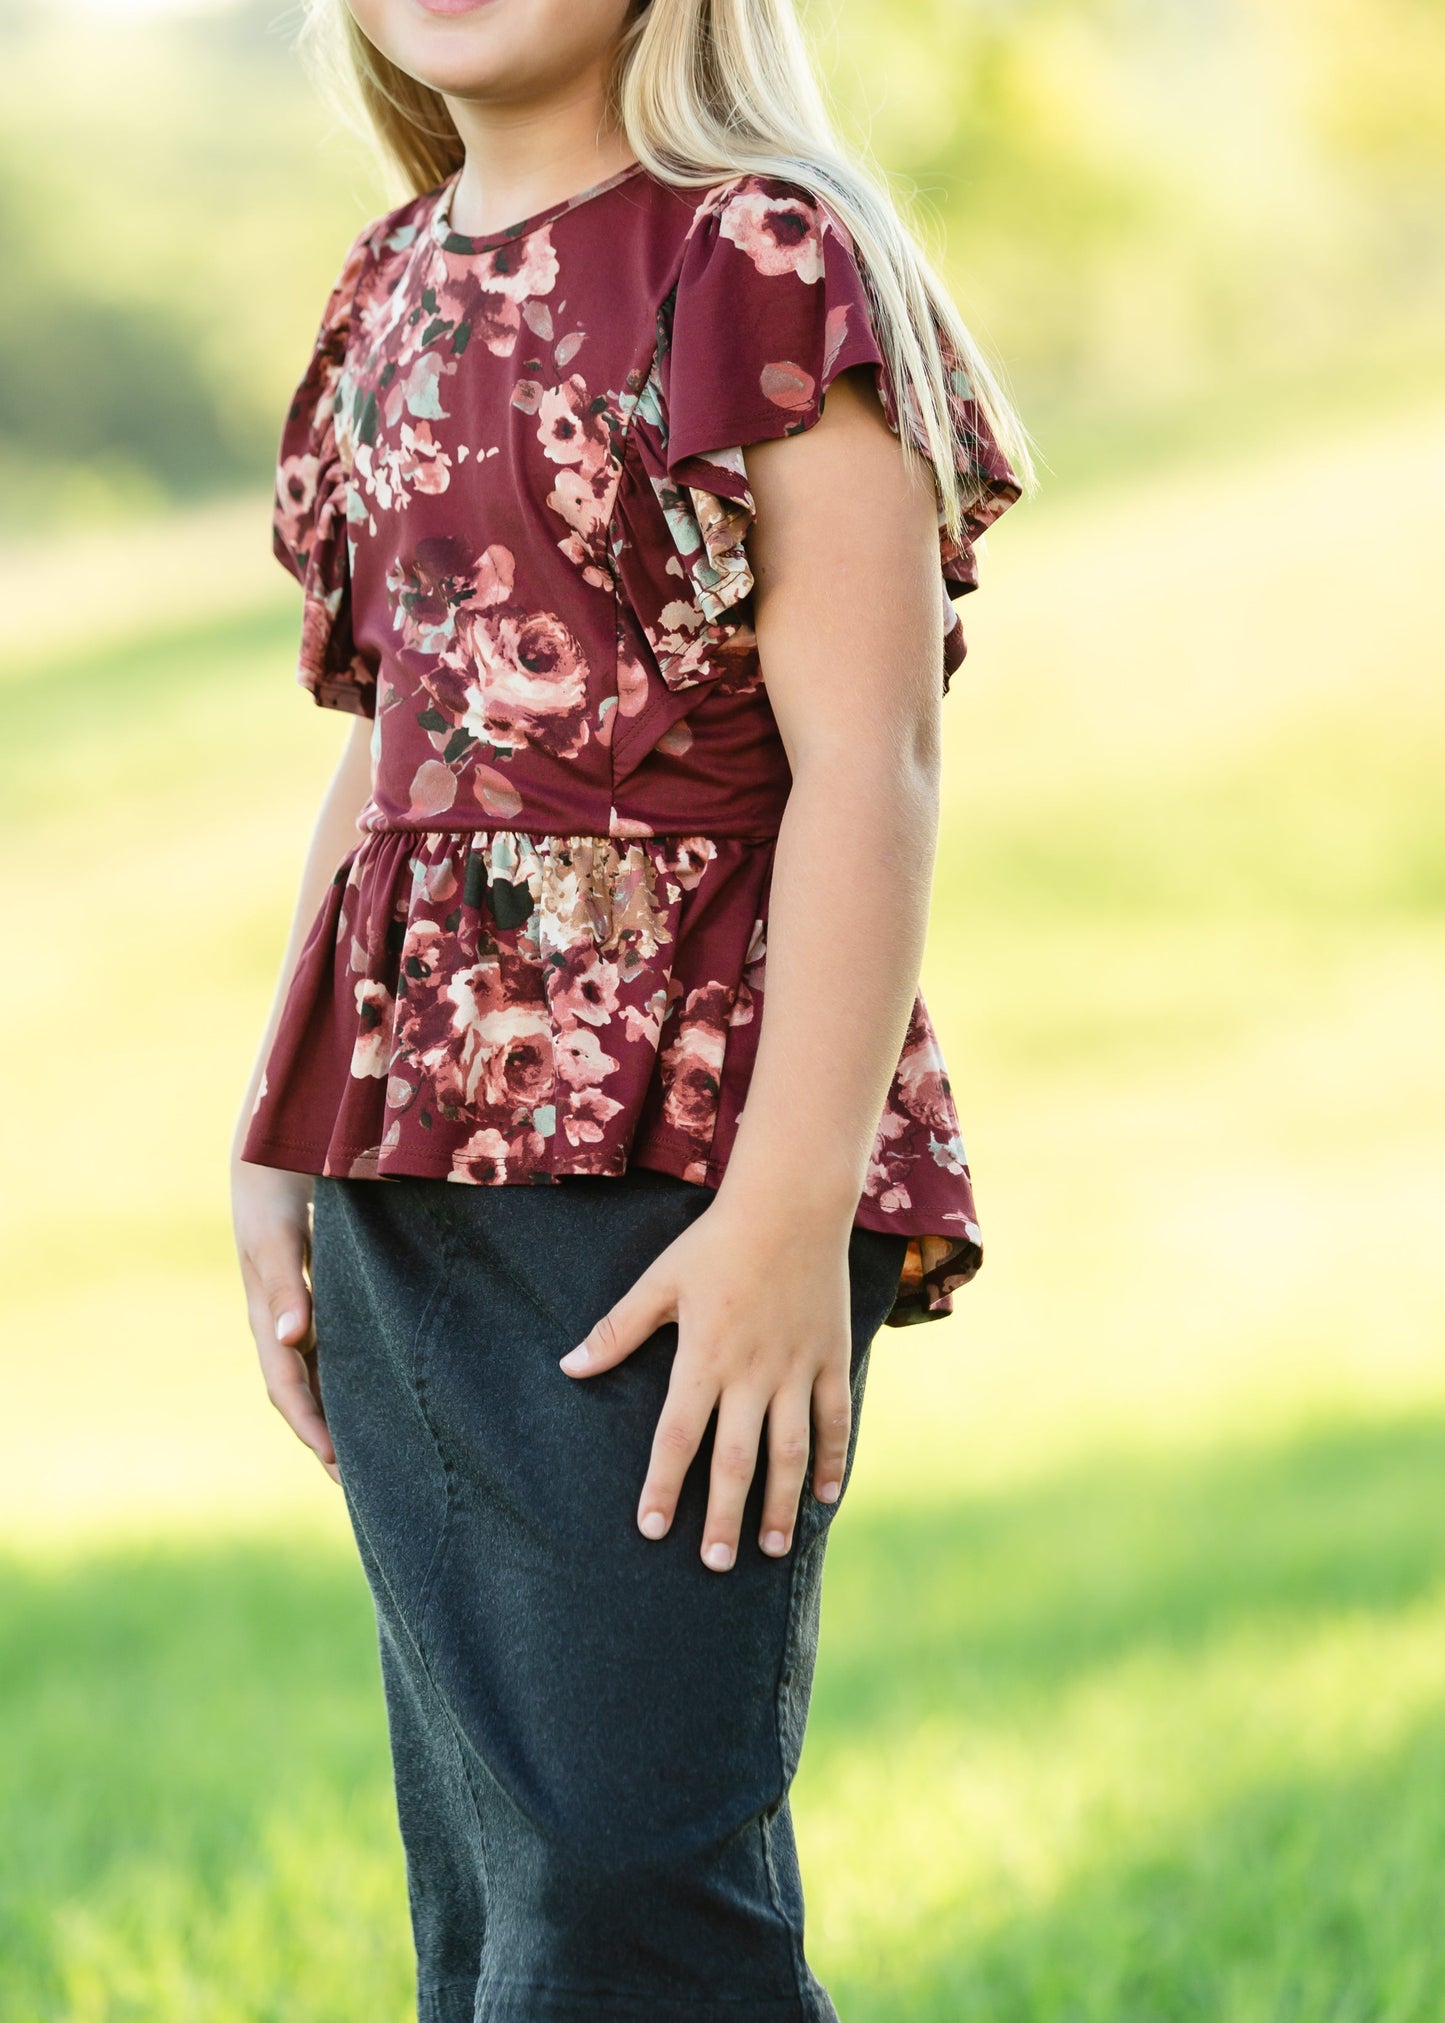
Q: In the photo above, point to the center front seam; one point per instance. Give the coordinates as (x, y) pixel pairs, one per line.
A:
(502, 1265)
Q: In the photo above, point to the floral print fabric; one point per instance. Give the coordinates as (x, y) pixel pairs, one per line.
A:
(512, 487)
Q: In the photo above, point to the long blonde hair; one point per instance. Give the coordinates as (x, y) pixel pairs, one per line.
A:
(706, 90)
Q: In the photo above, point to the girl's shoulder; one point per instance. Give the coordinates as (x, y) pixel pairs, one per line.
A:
(781, 225)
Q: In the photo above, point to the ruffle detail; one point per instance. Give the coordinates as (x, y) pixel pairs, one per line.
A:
(495, 1006)
(681, 593)
(310, 534)
(501, 1006)
(769, 307)
(987, 483)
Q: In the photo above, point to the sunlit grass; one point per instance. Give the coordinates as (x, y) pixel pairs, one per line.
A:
(1180, 1730)
(1147, 1740)
(1131, 1704)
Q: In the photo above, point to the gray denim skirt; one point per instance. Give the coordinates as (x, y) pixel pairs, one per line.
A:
(593, 1736)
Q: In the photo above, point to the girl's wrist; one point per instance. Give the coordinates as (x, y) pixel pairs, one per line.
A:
(774, 1194)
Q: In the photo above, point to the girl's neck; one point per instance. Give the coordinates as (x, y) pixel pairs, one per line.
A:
(521, 157)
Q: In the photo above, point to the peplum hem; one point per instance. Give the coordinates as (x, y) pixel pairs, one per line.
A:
(500, 1007)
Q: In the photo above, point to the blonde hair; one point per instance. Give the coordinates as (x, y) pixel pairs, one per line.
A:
(706, 90)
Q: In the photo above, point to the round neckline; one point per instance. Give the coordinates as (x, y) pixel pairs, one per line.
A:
(484, 242)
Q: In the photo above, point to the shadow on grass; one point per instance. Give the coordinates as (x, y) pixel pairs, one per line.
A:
(1315, 1899)
(1008, 1601)
(163, 1709)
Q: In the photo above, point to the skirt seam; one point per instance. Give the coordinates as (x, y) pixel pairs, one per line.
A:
(781, 1709)
(434, 1306)
(503, 1265)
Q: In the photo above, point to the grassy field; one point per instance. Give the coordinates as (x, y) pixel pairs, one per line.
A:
(1131, 1707)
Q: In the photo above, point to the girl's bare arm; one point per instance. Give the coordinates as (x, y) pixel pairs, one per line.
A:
(849, 616)
(270, 1207)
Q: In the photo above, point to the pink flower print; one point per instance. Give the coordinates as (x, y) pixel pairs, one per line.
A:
(692, 1064)
(581, 1059)
(834, 332)
(439, 880)
(296, 482)
(590, 571)
(922, 1088)
(888, 1160)
(483, 1159)
(631, 683)
(443, 688)
(755, 962)
(576, 498)
(454, 295)
(418, 392)
(751, 983)
(787, 385)
(318, 619)
(572, 429)
(515, 1066)
(507, 278)
(522, 267)
(690, 857)
(429, 1015)
(424, 592)
(497, 323)
(433, 789)
(676, 640)
(493, 576)
(410, 461)
(375, 1010)
(586, 1115)
(676, 740)
(428, 952)
(583, 986)
(780, 235)
(495, 792)
(532, 686)
(639, 912)
(367, 1165)
(644, 1022)
(420, 463)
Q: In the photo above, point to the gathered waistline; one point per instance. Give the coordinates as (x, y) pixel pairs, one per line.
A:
(566, 835)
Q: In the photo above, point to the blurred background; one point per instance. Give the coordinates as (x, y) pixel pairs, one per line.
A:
(1131, 1704)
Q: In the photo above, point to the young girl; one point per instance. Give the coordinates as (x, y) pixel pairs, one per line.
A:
(599, 1103)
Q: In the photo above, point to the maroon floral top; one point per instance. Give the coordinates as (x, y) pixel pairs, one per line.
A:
(512, 487)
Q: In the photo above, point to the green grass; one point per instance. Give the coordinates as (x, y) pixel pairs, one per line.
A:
(1177, 1736)
(1131, 1705)
(202, 1781)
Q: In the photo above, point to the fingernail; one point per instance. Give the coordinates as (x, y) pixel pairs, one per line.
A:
(576, 1359)
(775, 1541)
(285, 1325)
(719, 1557)
(652, 1524)
(828, 1492)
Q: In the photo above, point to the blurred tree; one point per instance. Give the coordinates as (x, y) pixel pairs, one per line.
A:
(87, 380)
(1171, 221)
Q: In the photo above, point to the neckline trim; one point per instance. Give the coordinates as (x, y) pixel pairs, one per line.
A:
(484, 242)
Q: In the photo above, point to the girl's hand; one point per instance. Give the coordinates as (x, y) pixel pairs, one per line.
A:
(762, 1307)
(273, 1241)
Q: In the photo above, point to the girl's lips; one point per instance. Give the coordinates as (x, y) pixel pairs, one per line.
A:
(452, 6)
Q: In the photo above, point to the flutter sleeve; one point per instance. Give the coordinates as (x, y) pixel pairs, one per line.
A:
(309, 527)
(770, 306)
